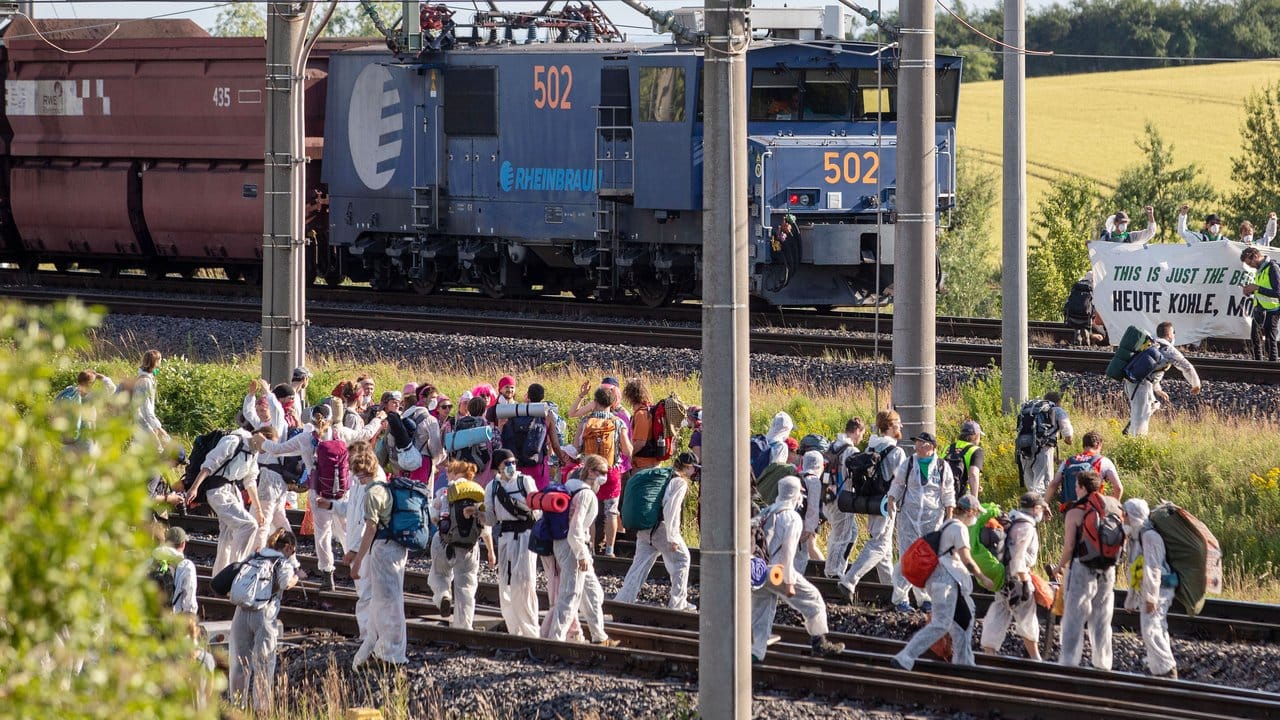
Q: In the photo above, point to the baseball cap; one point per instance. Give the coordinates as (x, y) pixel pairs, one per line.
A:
(925, 437)
(687, 458)
(1122, 216)
(609, 380)
(1212, 219)
(392, 395)
(323, 410)
(971, 428)
(175, 536)
(1030, 500)
(301, 373)
(968, 502)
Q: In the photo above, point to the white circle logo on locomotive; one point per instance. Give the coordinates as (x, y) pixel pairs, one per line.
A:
(375, 126)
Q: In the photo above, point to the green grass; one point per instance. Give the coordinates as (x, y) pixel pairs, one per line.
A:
(1087, 124)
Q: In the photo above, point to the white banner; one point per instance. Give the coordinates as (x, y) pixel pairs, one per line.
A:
(1196, 287)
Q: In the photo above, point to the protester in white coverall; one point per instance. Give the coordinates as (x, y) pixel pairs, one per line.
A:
(1016, 601)
(233, 460)
(1154, 594)
(327, 522)
(456, 567)
(877, 552)
(924, 491)
(378, 565)
(951, 587)
(579, 586)
(506, 510)
(261, 408)
(782, 529)
(1143, 393)
(665, 540)
(1037, 470)
(252, 658)
(779, 430)
(844, 526)
(1087, 600)
(811, 467)
(365, 468)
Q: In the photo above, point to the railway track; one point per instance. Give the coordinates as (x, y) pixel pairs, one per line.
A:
(771, 341)
(1224, 627)
(661, 642)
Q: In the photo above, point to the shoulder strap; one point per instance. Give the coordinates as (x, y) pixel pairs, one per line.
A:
(504, 498)
(234, 453)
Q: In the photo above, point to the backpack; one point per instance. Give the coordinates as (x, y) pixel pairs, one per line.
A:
(659, 437)
(959, 459)
(1071, 469)
(1101, 532)
(254, 583)
(761, 537)
(220, 584)
(479, 454)
(200, 449)
(70, 393)
(761, 453)
(599, 437)
(921, 558)
(554, 523)
(643, 499)
(291, 468)
(864, 482)
(766, 486)
(410, 523)
(1036, 428)
(526, 437)
(332, 475)
(1078, 310)
(457, 530)
(165, 576)
(1156, 358)
(1192, 552)
(988, 543)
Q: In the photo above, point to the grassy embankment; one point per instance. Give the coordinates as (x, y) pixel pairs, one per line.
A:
(1087, 124)
(1225, 471)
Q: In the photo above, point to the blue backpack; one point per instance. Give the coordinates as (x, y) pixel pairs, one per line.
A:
(410, 523)
(760, 454)
(1154, 359)
(551, 526)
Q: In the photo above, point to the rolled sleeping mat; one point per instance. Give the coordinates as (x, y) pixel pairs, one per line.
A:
(514, 410)
(1134, 340)
(467, 438)
(762, 573)
(556, 502)
(871, 505)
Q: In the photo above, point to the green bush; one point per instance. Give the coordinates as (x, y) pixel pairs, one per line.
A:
(80, 628)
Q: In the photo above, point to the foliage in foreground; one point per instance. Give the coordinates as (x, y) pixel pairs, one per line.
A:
(78, 635)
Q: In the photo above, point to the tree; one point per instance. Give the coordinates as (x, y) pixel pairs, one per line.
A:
(1158, 182)
(83, 633)
(966, 248)
(1066, 219)
(241, 19)
(249, 19)
(1254, 171)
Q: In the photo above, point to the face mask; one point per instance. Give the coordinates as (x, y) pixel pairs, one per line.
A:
(1213, 229)
(1121, 227)
(508, 471)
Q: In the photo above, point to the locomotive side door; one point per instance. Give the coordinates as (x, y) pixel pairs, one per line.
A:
(461, 168)
(614, 160)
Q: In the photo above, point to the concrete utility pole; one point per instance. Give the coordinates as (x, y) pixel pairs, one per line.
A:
(724, 662)
(1013, 274)
(283, 242)
(914, 277)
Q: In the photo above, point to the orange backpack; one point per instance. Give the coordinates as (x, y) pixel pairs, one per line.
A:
(599, 438)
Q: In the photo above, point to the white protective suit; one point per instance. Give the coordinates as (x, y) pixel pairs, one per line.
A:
(579, 589)
(1142, 395)
(328, 521)
(844, 526)
(779, 430)
(253, 643)
(782, 525)
(811, 465)
(184, 579)
(1037, 470)
(233, 460)
(382, 572)
(1146, 543)
(922, 506)
(271, 486)
(461, 571)
(1087, 604)
(351, 508)
(1024, 550)
(951, 587)
(658, 541)
(878, 551)
(517, 566)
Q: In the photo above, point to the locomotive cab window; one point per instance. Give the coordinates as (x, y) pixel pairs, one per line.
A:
(775, 94)
(471, 101)
(872, 101)
(662, 94)
(827, 95)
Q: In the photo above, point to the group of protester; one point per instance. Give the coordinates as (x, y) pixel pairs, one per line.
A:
(531, 493)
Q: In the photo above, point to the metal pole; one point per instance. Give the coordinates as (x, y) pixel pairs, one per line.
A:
(283, 243)
(915, 302)
(724, 663)
(1013, 274)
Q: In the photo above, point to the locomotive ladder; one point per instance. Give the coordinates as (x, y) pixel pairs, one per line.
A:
(614, 168)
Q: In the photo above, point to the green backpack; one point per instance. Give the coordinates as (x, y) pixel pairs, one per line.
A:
(991, 565)
(767, 483)
(642, 501)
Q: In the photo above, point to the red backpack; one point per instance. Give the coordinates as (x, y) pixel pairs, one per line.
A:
(921, 558)
(1101, 532)
(331, 477)
(659, 444)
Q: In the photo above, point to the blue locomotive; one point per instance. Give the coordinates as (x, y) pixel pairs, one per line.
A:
(553, 167)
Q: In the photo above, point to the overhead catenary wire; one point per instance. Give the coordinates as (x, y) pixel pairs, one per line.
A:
(59, 48)
(987, 37)
(113, 24)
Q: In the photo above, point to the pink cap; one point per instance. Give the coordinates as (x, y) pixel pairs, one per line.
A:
(506, 381)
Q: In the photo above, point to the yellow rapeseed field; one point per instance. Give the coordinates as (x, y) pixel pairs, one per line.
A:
(1088, 124)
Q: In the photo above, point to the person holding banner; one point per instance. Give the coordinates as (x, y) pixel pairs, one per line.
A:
(1268, 234)
(1144, 373)
(1265, 290)
(1212, 231)
(1116, 228)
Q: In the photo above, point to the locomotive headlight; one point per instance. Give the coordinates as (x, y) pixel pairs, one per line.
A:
(802, 198)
